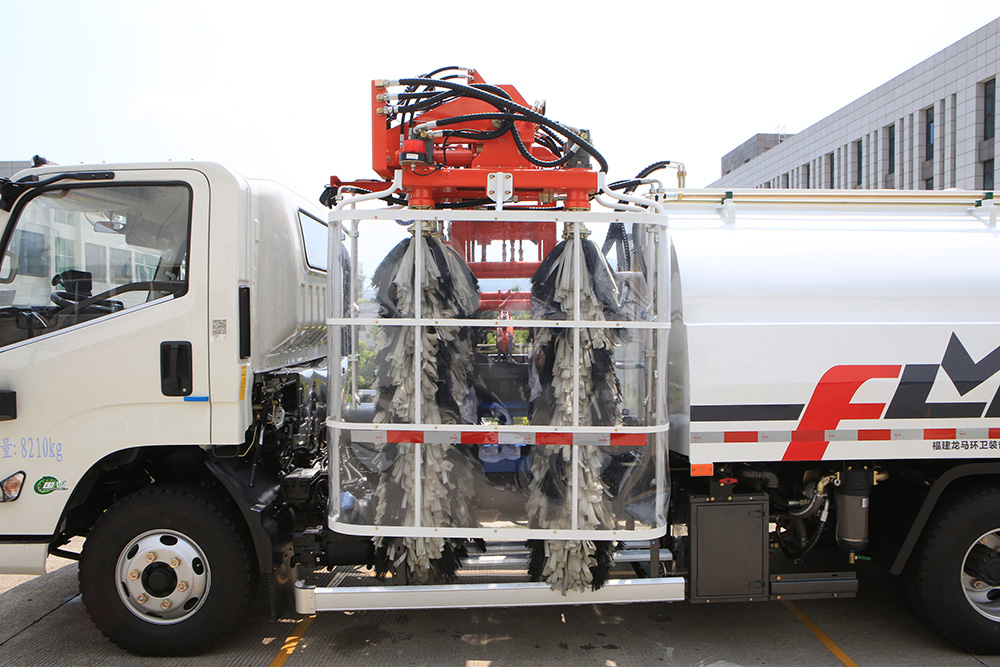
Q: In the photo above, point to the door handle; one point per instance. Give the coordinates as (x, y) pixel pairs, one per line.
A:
(175, 368)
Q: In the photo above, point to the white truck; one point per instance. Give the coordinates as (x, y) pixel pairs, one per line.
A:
(215, 384)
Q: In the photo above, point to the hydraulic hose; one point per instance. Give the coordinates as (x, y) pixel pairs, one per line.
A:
(504, 104)
(792, 552)
(631, 184)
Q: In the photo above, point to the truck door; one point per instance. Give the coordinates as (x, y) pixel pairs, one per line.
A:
(103, 335)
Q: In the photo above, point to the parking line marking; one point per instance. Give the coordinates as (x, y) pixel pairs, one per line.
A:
(292, 642)
(820, 635)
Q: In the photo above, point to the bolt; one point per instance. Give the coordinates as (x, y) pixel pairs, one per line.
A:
(492, 192)
(493, 176)
(150, 557)
(182, 586)
(165, 604)
(141, 598)
(979, 585)
(133, 575)
(175, 562)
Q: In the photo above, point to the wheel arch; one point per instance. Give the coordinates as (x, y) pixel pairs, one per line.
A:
(125, 471)
(952, 481)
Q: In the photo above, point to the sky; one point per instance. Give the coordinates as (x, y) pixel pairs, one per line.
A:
(281, 89)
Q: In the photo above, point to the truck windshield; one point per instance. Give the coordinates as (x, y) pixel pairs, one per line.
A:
(79, 254)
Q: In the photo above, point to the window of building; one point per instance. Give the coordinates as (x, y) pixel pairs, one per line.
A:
(784, 181)
(891, 149)
(121, 266)
(859, 161)
(96, 257)
(32, 253)
(829, 171)
(989, 109)
(989, 131)
(145, 266)
(65, 255)
(929, 134)
(805, 176)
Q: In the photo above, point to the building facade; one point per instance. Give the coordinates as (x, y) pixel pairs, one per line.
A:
(932, 127)
(10, 167)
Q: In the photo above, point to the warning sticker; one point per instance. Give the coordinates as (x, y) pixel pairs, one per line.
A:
(219, 331)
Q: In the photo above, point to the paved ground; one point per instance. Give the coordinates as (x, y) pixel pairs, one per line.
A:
(44, 623)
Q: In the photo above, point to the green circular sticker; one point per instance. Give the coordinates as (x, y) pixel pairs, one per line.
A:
(48, 484)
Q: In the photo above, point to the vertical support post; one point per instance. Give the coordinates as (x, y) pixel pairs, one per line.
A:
(663, 314)
(577, 242)
(355, 277)
(335, 287)
(418, 353)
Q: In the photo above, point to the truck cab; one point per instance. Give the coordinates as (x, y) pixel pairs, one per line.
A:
(138, 303)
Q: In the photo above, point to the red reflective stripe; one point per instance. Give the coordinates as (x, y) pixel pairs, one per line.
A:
(808, 436)
(553, 438)
(994, 433)
(874, 434)
(939, 433)
(480, 437)
(628, 439)
(405, 437)
(740, 436)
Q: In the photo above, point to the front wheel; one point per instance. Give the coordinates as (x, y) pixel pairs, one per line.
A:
(165, 571)
(957, 572)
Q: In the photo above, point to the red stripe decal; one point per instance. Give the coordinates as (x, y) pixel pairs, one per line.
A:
(874, 434)
(628, 439)
(480, 437)
(553, 438)
(405, 437)
(939, 434)
(740, 436)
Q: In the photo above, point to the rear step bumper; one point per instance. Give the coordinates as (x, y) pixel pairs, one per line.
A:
(311, 599)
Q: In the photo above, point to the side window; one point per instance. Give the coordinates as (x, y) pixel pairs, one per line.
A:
(78, 254)
(314, 239)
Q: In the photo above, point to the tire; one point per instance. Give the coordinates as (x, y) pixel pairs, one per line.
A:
(956, 580)
(166, 572)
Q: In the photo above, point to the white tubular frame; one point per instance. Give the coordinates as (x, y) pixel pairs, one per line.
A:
(656, 431)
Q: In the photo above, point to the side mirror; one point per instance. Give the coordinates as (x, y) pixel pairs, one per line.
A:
(10, 266)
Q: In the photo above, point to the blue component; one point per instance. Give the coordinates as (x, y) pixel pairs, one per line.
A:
(346, 501)
(196, 399)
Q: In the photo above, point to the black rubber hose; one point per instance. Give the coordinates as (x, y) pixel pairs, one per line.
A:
(440, 98)
(529, 114)
(481, 136)
(430, 75)
(558, 162)
(794, 553)
(439, 70)
(656, 166)
(328, 197)
(631, 184)
(509, 118)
